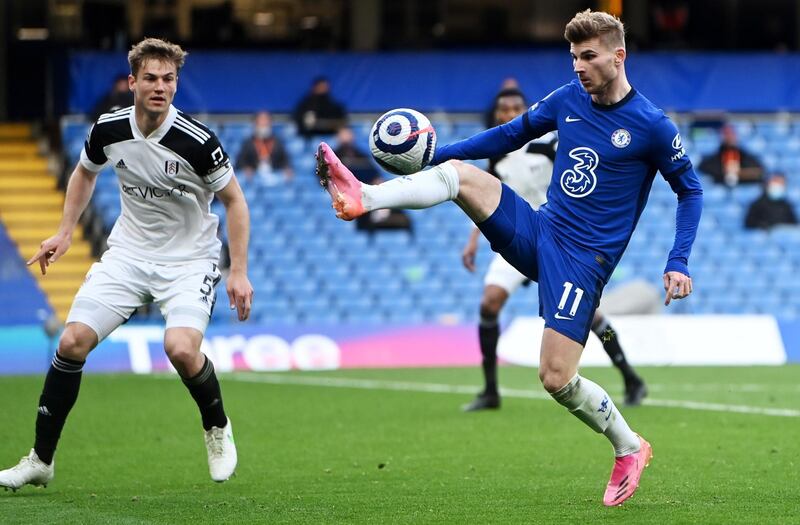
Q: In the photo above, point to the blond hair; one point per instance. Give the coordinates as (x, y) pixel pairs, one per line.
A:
(593, 24)
(157, 49)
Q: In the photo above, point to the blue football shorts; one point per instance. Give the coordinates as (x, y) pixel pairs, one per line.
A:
(569, 291)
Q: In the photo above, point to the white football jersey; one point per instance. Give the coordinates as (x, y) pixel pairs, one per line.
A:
(528, 170)
(167, 182)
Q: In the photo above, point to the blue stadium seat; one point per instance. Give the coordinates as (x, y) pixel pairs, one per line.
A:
(744, 128)
(464, 130)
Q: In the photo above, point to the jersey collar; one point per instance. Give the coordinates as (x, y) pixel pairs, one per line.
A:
(160, 131)
(615, 105)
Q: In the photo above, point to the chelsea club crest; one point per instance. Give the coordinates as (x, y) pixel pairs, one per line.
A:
(621, 138)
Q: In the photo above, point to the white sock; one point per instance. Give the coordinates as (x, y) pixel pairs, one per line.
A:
(590, 403)
(420, 190)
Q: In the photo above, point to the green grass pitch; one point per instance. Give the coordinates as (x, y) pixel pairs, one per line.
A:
(391, 446)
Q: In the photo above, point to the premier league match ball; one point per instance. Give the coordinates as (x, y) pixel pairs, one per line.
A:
(402, 141)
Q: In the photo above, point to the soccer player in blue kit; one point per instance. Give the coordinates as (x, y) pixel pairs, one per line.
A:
(613, 140)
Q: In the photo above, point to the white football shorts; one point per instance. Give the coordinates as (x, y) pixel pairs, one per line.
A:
(119, 284)
(502, 274)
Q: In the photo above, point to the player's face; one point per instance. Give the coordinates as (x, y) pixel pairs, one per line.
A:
(596, 64)
(154, 85)
(507, 109)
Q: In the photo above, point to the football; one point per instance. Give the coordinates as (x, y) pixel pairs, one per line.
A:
(402, 141)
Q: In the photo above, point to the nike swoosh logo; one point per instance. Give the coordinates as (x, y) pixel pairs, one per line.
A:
(559, 316)
(571, 119)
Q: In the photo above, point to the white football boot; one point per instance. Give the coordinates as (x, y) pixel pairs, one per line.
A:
(221, 452)
(29, 471)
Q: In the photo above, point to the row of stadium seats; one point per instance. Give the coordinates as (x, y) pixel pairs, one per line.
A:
(308, 267)
(23, 301)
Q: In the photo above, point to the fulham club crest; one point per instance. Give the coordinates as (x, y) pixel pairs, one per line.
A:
(171, 167)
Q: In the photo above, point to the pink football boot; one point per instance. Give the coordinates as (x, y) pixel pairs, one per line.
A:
(343, 187)
(625, 476)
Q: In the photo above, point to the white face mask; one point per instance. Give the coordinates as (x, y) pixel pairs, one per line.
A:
(776, 191)
(263, 132)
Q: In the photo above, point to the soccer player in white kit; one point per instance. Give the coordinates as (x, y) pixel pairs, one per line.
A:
(527, 171)
(163, 249)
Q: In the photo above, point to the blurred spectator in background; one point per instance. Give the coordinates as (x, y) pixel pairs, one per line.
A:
(119, 97)
(506, 84)
(263, 155)
(318, 113)
(772, 207)
(731, 165)
(361, 166)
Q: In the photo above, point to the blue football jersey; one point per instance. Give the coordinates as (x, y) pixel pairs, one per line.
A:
(604, 168)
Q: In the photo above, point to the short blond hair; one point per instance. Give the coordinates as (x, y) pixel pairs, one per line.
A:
(592, 24)
(158, 49)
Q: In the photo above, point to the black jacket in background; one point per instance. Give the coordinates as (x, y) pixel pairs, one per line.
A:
(766, 213)
(319, 115)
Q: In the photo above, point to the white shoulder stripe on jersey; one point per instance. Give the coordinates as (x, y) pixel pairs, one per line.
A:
(114, 116)
(193, 127)
(123, 117)
(120, 111)
(189, 132)
(193, 130)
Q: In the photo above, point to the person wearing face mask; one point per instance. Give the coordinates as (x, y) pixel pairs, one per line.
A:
(263, 154)
(772, 207)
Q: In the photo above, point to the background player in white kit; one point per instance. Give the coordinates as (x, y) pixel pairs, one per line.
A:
(162, 249)
(527, 171)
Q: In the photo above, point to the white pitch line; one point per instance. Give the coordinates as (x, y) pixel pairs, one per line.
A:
(440, 388)
(722, 387)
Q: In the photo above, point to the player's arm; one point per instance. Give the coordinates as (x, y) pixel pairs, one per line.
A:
(212, 164)
(240, 291)
(687, 186)
(670, 158)
(532, 124)
(79, 190)
(489, 143)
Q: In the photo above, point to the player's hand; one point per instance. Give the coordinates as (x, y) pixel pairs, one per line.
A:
(240, 294)
(677, 286)
(51, 250)
(468, 255)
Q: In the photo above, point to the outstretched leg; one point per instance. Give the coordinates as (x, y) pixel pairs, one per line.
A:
(635, 389)
(474, 190)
